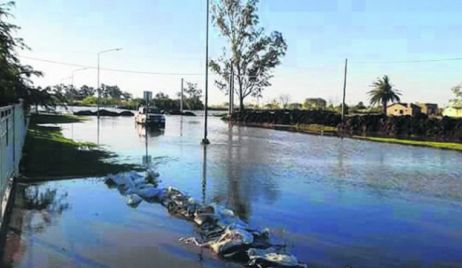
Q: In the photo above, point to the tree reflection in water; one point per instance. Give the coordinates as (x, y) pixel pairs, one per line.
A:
(34, 210)
(243, 183)
(238, 202)
(43, 206)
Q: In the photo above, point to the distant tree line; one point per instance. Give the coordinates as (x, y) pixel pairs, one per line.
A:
(316, 104)
(112, 95)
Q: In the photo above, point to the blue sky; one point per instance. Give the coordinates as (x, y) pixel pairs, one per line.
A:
(168, 36)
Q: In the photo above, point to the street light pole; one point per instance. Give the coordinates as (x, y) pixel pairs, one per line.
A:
(344, 91)
(97, 80)
(72, 84)
(344, 95)
(205, 141)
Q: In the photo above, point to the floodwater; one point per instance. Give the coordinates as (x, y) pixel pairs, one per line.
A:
(334, 202)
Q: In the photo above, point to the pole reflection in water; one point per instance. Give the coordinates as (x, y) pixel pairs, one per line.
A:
(147, 132)
(146, 157)
(146, 145)
(204, 173)
(97, 130)
(181, 126)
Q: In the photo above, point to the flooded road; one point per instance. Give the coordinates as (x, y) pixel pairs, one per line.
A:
(334, 202)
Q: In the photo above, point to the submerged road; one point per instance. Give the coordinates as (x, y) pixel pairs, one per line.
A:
(334, 202)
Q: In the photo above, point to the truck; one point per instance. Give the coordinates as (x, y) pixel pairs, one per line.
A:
(150, 116)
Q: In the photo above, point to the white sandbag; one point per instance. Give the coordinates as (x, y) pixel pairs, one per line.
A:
(272, 258)
(149, 192)
(119, 179)
(151, 173)
(134, 200)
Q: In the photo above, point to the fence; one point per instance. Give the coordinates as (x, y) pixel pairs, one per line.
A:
(13, 128)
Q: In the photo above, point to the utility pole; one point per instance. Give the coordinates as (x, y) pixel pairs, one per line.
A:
(344, 95)
(232, 88)
(181, 98)
(231, 91)
(147, 97)
(205, 141)
(344, 91)
(98, 91)
(98, 87)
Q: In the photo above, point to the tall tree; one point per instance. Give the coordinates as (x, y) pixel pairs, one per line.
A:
(284, 100)
(457, 101)
(383, 93)
(111, 91)
(46, 97)
(86, 91)
(193, 97)
(14, 77)
(250, 52)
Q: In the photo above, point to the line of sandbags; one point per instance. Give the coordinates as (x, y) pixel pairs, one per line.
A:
(103, 112)
(219, 228)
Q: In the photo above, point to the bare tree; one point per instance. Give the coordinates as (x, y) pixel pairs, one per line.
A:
(250, 52)
(284, 100)
(457, 101)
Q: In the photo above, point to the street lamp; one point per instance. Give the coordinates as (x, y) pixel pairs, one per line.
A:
(97, 84)
(72, 84)
(205, 141)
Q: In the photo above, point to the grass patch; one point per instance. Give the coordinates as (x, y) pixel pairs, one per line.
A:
(315, 128)
(55, 119)
(47, 153)
(432, 144)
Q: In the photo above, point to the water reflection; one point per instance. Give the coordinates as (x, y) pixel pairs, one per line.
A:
(355, 195)
(181, 126)
(204, 173)
(44, 205)
(35, 209)
(148, 131)
(238, 187)
(97, 129)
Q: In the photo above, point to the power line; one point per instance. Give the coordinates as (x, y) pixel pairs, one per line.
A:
(201, 74)
(411, 61)
(121, 70)
(108, 69)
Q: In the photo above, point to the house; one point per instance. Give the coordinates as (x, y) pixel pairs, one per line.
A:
(453, 111)
(315, 103)
(295, 106)
(428, 108)
(400, 109)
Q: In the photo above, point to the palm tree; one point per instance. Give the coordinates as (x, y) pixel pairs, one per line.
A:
(383, 93)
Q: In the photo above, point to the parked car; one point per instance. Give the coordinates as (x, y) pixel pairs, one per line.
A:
(150, 116)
